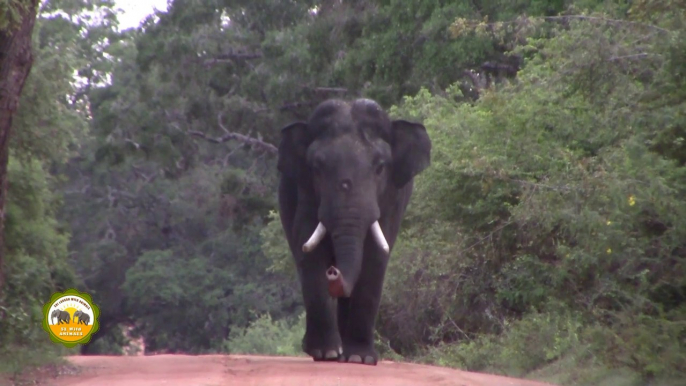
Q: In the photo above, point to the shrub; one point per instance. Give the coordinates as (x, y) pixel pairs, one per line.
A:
(266, 336)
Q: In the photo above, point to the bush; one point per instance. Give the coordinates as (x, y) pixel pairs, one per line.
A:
(653, 345)
(525, 345)
(266, 336)
(35, 266)
(550, 190)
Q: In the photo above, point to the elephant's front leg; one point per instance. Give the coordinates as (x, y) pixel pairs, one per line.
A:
(357, 314)
(321, 341)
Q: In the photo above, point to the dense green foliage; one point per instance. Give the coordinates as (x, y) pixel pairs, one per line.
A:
(560, 199)
(549, 230)
(48, 130)
(10, 13)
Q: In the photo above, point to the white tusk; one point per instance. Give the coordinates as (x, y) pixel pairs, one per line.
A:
(378, 235)
(316, 237)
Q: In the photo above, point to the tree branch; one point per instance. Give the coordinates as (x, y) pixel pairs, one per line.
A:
(134, 143)
(255, 142)
(606, 20)
(634, 56)
(231, 56)
(327, 89)
(565, 18)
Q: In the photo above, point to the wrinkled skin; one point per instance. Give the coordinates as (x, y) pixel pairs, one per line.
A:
(347, 167)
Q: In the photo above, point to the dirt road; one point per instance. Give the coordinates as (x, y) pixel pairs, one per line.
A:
(216, 370)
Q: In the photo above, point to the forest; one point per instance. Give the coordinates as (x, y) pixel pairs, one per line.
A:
(546, 240)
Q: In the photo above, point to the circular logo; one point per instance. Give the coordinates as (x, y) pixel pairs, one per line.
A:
(70, 317)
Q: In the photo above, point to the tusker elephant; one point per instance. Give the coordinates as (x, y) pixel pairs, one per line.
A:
(62, 316)
(346, 177)
(84, 318)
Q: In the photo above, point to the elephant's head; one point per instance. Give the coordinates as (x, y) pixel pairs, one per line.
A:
(349, 160)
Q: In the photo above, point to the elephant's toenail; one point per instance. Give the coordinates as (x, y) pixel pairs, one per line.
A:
(369, 360)
(340, 350)
(331, 354)
(355, 359)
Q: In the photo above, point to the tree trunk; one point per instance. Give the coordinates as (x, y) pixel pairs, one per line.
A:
(16, 59)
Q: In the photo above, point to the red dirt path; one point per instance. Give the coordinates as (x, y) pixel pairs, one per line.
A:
(219, 370)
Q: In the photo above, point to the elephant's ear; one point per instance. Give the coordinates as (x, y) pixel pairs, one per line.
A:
(292, 149)
(411, 151)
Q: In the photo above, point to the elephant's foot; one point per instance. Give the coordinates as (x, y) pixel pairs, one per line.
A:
(319, 356)
(359, 354)
(322, 348)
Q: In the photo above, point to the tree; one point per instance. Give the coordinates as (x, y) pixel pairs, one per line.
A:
(16, 59)
(48, 126)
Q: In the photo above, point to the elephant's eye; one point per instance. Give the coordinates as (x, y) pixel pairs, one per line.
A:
(380, 168)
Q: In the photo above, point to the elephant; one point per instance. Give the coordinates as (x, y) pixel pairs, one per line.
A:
(62, 316)
(346, 176)
(84, 318)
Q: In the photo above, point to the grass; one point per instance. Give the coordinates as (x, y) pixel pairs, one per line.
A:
(580, 370)
(20, 365)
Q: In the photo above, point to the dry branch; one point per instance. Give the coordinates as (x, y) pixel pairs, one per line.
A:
(232, 56)
(229, 136)
(327, 89)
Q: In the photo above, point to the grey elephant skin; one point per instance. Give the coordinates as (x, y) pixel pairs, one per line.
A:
(346, 178)
(84, 318)
(62, 316)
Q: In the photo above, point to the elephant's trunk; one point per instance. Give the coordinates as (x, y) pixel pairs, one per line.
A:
(336, 283)
(348, 252)
(348, 246)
